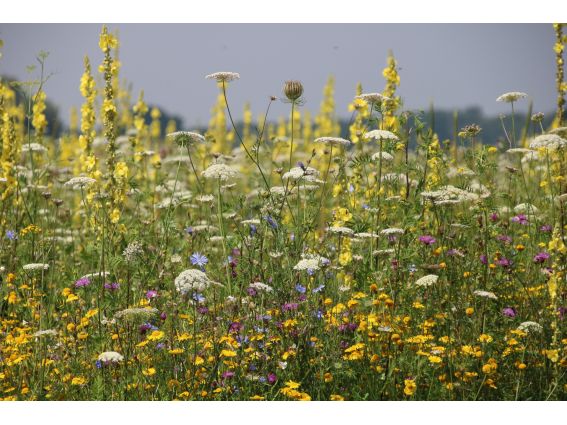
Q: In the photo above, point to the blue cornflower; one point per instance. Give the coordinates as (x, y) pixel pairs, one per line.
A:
(319, 314)
(98, 364)
(412, 268)
(253, 229)
(10, 234)
(198, 259)
(271, 222)
(189, 230)
(318, 289)
(300, 288)
(198, 297)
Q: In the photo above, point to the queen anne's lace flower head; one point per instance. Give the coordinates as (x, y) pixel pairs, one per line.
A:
(36, 266)
(530, 327)
(223, 76)
(80, 182)
(110, 357)
(511, 96)
(311, 262)
(380, 135)
(219, 171)
(33, 147)
(426, 281)
(137, 314)
(385, 156)
(333, 141)
(550, 142)
(192, 280)
(372, 97)
(186, 138)
(485, 294)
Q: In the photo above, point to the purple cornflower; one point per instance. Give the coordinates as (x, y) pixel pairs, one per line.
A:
(427, 240)
(251, 291)
(82, 282)
(235, 327)
(504, 262)
(228, 374)
(189, 230)
(546, 228)
(112, 286)
(289, 306)
(11, 235)
(509, 312)
(520, 218)
(198, 259)
(272, 378)
(541, 257)
(147, 327)
(494, 217)
(152, 293)
(483, 259)
(504, 238)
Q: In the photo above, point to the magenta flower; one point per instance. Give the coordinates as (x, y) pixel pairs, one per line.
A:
(520, 218)
(152, 293)
(427, 240)
(509, 312)
(82, 282)
(112, 286)
(541, 257)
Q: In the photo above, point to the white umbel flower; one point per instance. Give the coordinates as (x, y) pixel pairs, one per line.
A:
(392, 231)
(46, 332)
(186, 138)
(219, 171)
(372, 97)
(139, 314)
(485, 294)
(426, 281)
(345, 231)
(110, 357)
(261, 287)
(333, 141)
(36, 266)
(223, 76)
(96, 274)
(380, 135)
(192, 280)
(80, 182)
(530, 327)
(33, 147)
(550, 142)
(385, 156)
(512, 96)
(311, 262)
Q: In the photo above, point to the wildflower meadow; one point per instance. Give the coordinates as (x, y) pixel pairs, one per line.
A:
(278, 258)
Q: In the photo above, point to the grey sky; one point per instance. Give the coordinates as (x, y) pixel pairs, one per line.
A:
(453, 65)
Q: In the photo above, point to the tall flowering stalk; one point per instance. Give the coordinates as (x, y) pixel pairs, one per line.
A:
(88, 119)
(39, 121)
(117, 172)
(559, 47)
(390, 73)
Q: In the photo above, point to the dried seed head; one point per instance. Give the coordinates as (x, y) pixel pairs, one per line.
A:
(293, 90)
